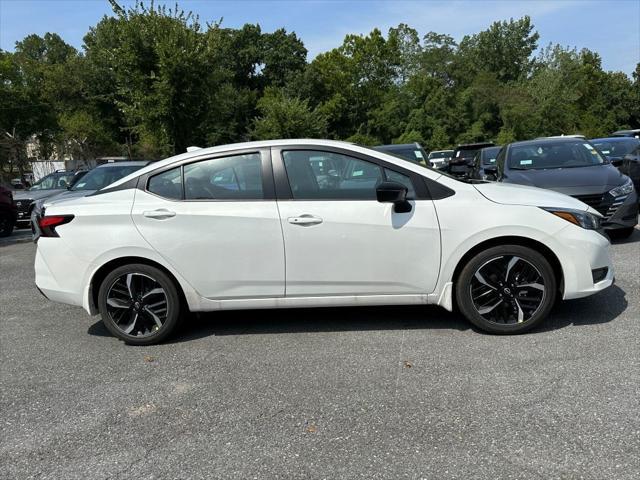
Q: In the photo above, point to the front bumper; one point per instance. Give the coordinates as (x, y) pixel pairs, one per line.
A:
(623, 213)
(618, 212)
(581, 254)
(23, 208)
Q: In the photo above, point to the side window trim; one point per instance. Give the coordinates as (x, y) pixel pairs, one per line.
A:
(268, 186)
(283, 188)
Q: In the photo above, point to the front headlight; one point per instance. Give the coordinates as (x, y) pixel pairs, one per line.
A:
(580, 218)
(625, 189)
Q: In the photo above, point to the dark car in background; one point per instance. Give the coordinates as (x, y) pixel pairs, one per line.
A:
(407, 151)
(46, 187)
(485, 166)
(624, 153)
(440, 158)
(576, 168)
(461, 163)
(8, 212)
(96, 179)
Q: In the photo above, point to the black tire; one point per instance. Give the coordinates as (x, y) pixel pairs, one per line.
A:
(138, 315)
(621, 233)
(515, 305)
(6, 226)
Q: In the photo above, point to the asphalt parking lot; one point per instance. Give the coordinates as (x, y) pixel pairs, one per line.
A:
(321, 393)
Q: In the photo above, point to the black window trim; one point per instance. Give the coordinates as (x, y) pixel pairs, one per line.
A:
(283, 188)
(268, 187)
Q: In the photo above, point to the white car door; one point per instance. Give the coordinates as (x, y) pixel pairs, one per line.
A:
(216, 222)
(339, 240)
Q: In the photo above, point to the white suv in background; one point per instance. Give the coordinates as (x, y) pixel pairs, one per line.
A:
(314, 223)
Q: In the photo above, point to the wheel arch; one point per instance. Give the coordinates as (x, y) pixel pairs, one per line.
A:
(513, 240)
(101, 273)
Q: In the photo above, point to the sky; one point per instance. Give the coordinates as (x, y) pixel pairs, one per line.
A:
(611, 28)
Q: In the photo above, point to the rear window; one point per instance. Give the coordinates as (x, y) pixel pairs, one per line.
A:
(411, 154)
(100, 177)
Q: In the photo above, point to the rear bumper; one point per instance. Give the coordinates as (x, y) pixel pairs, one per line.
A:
(65, 286)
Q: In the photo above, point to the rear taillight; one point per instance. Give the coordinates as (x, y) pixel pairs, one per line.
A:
(48, 224)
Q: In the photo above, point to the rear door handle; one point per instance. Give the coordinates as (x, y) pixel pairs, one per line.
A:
(159, 214)
(304, 220)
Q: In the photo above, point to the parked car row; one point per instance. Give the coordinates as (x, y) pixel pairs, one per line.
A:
(603, 172)
(23, 208)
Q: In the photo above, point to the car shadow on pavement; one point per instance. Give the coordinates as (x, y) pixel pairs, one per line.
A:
(601, 308)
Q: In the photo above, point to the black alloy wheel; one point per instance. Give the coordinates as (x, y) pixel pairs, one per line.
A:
(139, 304)
(506, 289)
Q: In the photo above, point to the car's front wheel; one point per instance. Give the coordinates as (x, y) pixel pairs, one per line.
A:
(506, 289)
(139, 304)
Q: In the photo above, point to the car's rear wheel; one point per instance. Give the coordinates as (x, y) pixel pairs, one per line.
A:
(506, 289)
(139, 304)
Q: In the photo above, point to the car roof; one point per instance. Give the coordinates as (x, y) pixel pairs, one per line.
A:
(128, 163)
(397, 146)
(633, 130)
(547, 140)
(471, 146)
(615, 139)
(312, 142)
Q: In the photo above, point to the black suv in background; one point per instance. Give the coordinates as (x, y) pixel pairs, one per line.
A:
(46, 187)
(407, 151)
(461, 163)
(624, 153)
(573, 167)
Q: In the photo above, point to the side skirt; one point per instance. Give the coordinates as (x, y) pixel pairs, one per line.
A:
(443, 299)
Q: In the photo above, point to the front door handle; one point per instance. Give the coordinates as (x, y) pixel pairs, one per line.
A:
(159, 214)
(304, 220)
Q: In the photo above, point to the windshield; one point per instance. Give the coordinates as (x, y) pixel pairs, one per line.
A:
(617, 148)
(100, 177)
(466, 153)
(54, 181)
(553, 155)
(412, 154)
(489, 155)
(444, 154)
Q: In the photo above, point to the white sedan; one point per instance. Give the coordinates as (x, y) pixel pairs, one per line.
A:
(314, 223)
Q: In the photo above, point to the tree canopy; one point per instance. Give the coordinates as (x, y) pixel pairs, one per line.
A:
(150, 81)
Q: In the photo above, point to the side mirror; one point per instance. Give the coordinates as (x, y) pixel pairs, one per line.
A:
(491, 169)
(396, 193)
(615, 161)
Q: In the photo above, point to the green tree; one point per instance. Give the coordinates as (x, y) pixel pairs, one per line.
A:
(286, 117)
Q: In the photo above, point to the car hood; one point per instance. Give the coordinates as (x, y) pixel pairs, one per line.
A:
(597, 179)
(34, 194)
(522, 195)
